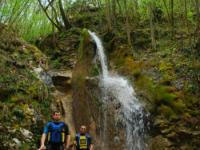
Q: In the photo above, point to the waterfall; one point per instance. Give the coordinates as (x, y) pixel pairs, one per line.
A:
(100, 53)
(131, 110)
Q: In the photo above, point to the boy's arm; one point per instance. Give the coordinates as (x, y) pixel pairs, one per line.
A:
(91, 146)
(91, 143)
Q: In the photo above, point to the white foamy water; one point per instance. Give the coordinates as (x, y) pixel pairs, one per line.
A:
(131, 110)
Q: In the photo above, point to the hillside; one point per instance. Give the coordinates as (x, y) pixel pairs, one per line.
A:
(147, 86)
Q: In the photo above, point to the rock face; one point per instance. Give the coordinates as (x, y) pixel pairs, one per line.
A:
(88, 108)
(62, 94)
(85, 90)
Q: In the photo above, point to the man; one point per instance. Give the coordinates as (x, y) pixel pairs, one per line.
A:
(83, 140)
(57, 134)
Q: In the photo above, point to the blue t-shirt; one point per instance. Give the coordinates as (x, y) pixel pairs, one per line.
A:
(56, 129)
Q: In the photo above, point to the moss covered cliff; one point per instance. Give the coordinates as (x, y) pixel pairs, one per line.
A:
(24, 99)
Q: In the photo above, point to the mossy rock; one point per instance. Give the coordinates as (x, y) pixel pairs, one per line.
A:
(133, 67)
(167, 112)
(178, 106)
(18, 98)
(163, 96)
(164, 66)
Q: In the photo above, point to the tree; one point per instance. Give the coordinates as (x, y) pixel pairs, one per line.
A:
(152, 27)
(61, 22)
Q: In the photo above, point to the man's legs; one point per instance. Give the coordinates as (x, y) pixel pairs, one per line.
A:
(55, 147)
(49, 147)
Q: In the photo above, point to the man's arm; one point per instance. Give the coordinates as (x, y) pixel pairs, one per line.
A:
(43, 138)
(67, 142)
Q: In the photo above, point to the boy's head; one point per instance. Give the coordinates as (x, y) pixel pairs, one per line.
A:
(83, 129)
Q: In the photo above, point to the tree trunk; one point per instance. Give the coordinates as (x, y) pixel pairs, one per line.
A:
(128, 30)
(172, 18)
(108, 14)
(64, 17)
(153, 41)
(168, 15)
(50, 19)
(114, 11)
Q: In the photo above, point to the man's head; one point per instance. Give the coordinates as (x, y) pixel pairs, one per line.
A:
(83, 129)
(56, 115)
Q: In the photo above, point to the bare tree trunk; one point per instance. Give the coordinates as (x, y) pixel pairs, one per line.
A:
(50, 19)
(197, 33)
(108, 14)
(64, 17)
(165, 5)
(186, 21)
(172, 17)
(114, 11)
(153, 41)
(197, 10)
(54, 13)
(128, 30)
(53, 32)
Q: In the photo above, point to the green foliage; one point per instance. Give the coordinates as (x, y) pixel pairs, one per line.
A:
(26, 17)
(94, 71)
(24, 146)
(56, 63)
(167, 112)
(162, 95)
(18, 112)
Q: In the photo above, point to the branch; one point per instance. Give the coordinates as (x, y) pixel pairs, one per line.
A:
(54, 12)
(50, 19)
(50, 4)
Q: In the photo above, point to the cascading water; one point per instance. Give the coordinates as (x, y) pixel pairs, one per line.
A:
(131, 110)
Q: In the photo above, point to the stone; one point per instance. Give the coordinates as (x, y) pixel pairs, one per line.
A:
(11, 130)
(171, 135)
(185, 131)
(26, 133)
(160, 122)
(17, 141)
(116, 139)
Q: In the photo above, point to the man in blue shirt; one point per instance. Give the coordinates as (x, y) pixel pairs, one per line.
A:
(56, 133)
(83, 140)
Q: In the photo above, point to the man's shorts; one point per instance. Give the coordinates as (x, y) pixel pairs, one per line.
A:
(51, 146)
